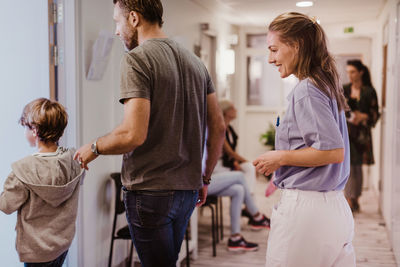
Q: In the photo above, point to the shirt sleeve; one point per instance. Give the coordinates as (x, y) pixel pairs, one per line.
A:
(210, 85)
(317, 124)
(14, 195)
(135, 78)
(373, 109)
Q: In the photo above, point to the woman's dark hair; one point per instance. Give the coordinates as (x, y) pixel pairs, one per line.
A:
(314, 60)
(151, 10)
(366, 77)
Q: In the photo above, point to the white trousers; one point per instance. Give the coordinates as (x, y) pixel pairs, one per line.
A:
(311, 229)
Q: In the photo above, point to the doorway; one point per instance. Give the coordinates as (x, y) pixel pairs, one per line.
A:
(383, 115)
(208, 54)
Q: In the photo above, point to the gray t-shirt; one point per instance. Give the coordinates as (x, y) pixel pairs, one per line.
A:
(177, 84)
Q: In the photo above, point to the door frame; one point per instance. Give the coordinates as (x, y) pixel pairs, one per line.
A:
(68, 94)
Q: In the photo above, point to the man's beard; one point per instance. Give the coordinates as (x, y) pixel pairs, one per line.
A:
(133, 42)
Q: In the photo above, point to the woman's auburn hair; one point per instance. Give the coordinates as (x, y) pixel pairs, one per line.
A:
(314, 61)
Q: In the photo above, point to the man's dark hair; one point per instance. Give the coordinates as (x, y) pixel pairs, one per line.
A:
(151, 10)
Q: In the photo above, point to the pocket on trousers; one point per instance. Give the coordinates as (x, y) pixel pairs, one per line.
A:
(278, 239)
(153, 208)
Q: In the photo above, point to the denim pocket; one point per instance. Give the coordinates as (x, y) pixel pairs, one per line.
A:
(153, 207)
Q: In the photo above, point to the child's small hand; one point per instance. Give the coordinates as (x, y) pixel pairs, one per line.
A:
(84, 155)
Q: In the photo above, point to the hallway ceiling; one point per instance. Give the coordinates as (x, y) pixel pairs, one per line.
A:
(262, 12)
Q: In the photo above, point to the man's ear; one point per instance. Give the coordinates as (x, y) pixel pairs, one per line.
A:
(134, 18)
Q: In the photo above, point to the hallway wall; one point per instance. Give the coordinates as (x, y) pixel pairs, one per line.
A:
(24, 77)
(390, 167)
(97, 100)
(387, 16)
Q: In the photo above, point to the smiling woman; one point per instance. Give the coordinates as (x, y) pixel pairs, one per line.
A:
(311, 160)
(282, 55)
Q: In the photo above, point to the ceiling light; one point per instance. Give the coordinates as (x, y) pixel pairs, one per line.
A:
(304, 4)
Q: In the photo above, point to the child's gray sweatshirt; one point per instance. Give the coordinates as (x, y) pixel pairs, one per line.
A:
(44, 188)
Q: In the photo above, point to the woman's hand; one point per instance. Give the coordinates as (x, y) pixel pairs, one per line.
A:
(236, 165)
(359, 117)
(268, 162)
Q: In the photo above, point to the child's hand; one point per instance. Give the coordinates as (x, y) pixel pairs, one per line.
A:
(84, 155)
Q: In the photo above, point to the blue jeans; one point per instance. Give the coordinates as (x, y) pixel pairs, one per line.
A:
(55, 263)
(233, 184)
(157, 222)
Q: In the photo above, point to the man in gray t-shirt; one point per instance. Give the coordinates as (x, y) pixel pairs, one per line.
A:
(177, 84)
(169, 102)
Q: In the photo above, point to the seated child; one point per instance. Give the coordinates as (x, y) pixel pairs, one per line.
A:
(43, 188)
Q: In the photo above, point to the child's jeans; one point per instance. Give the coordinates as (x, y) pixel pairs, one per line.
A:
(54, 263)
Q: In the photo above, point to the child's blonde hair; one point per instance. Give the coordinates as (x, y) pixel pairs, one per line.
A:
(47, 117)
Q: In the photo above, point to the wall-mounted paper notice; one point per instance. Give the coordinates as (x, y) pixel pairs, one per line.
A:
(100, 55)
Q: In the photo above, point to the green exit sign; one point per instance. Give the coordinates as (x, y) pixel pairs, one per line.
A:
(349, 30)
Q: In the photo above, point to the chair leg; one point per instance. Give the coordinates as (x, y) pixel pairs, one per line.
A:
(214, 237)
(111, 252)
(217, 221)
(221, 218)
(130, 255)
(187, 249)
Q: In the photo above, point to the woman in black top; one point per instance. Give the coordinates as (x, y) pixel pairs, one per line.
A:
(363, 115)
(231, 160)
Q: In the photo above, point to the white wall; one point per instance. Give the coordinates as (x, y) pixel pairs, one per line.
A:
(253, 121)
(182, 21)
(24, 76)
(96, 104)
(388, 16)
(100, 111)
(390, 208)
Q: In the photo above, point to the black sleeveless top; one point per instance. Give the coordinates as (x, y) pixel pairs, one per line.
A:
(231, 138)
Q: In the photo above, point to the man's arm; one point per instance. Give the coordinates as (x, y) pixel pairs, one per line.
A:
(131, 133)
(215, 139)
(216, 134)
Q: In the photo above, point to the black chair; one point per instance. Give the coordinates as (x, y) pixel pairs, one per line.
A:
(122, 233)
(215, 205)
